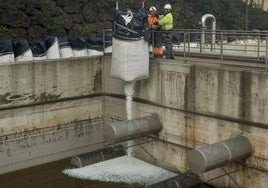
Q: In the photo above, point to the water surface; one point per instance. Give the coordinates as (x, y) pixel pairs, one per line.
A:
(50, 176)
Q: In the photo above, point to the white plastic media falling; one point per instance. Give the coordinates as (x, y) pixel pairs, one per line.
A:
(124, 169)
(129, 91)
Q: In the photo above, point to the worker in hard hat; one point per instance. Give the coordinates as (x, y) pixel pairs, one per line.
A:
(156, 35)
(166, 23)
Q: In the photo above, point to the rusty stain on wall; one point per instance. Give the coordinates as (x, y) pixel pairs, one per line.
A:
(30, 144)
(98, 80)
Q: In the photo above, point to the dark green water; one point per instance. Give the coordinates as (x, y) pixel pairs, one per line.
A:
(50, 176)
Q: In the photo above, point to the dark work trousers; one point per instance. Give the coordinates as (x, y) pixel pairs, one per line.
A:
(168, 43)
(157, 38)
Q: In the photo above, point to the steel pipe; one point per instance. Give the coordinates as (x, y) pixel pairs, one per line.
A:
(97, 156)
(219, 154)
(204, 28)
(131, 129)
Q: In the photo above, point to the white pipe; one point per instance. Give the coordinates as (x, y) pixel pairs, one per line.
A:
(204, 27)
(116, 6)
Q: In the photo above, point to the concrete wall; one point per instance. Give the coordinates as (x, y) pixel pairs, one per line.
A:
(49, 110)
(55, 109)
(41, 82)
(201, 105)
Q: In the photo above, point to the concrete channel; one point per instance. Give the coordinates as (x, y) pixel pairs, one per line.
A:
(60, 109)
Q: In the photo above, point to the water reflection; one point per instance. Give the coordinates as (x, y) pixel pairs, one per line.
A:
(50, 176)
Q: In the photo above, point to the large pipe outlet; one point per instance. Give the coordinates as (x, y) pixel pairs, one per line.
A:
(219, 154)
(204, 27)
(131, 129)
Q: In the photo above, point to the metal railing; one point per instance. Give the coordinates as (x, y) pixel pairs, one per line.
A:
(249, 48)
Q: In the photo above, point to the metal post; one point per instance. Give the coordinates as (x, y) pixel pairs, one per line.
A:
(189, 39)
(266, 53)
(103, 39)
(246, 15)
(221, 48)
(258, 52)
(184, 48)
(117, 5)
(213, 40)
(246, 43)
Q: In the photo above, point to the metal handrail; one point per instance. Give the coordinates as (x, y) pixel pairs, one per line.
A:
(244, 46)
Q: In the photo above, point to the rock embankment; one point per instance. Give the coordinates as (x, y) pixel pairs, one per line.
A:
(32, 19)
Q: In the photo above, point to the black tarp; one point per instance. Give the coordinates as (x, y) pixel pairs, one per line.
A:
(64, 42)
(49, 40)
(6, 46)
(95, 42)
(78, 42)
(135, 29)
(108, 36)
(20, 46)
(38, 47)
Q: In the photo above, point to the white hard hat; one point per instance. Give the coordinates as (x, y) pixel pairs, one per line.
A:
(167, 6)
(152, 8)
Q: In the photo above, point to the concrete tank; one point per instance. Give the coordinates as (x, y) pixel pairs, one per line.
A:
(219, 154)
(128, 130)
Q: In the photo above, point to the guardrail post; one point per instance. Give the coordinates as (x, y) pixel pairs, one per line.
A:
(246, 43)
(189, 39)
(266, 53)
(258, 51)
(103, 39)
(213, 40)
(221, 47)
(184, 48)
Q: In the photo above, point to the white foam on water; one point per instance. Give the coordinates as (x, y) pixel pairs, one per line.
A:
(129, 91)
(123, 169)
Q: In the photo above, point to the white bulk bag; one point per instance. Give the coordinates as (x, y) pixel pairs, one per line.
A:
(130, 59)
(26, 56)
(6, 57)
(65, 47)
(53, 51)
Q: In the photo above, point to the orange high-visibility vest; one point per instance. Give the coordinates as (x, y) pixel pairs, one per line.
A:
(151, 21)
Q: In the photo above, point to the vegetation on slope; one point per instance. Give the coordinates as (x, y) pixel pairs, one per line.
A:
(32, 19)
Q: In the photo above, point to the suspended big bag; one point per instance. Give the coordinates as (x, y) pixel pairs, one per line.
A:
(130, 55)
